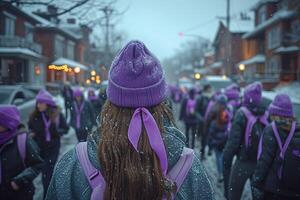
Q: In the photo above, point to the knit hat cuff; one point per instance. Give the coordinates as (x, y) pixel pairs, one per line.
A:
(275, 110)
(136, 97)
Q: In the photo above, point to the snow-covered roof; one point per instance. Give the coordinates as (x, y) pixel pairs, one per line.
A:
(216, 65)
(203, 71)
(217, 78)
(261, 2)
(209, 53)
(18, 50)
(259, 58)
(287, 49)
(43, 23)
(280, 15)
(70, 63)
(241, 26)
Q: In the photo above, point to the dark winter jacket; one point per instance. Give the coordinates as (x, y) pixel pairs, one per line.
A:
(68, 94)
(14, 170)
(87, 119)
(188, 118)
(218, 135)
(70, 183)
(97, 107)
(265, 175)
(236, 142)
(36, 125)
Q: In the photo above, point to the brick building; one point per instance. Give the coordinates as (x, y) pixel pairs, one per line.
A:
(271, 53)
(227, 47)
(21, 59)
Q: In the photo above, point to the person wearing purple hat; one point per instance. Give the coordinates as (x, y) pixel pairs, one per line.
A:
(95, 102)
(20, 161)
(137, 150)
(47, 124)
(82, 115)
(190, 115)
(277, 172)
(247, 127)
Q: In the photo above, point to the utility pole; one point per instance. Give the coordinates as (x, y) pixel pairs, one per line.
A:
(228, 14)
(107, 13)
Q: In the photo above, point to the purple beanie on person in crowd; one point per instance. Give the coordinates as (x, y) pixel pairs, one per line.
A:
(136, 78)
(9, 117)
(253, 94)
(77, 92)
(281, 106)
(45, 97)
(232, 94)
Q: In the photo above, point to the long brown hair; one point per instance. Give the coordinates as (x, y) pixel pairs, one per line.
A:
(130, 174)
(51, 112)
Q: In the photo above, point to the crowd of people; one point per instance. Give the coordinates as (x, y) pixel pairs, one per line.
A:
(251, 139)
(129, 146)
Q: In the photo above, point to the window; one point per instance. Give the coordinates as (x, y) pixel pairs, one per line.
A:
(59, 47)
(9, 24)
(273, 68)
(29, 32)
(274, 37)
(262, 14)
(295, 27)
(70, 50)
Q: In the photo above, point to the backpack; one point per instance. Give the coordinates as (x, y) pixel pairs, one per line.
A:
(191, 107)
(21, 142)
(177, 174)
(251, 145)
(210, 105)
(289, 159)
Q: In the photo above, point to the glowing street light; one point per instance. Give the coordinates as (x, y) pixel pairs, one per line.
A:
(224, 77)
(88, 81)
(93, 73)
(77, 70)
(197, 76)
(242, 67)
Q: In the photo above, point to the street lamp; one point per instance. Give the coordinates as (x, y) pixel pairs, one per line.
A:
(242, 67)
(93, 73)
(77, 70)
(197, 76)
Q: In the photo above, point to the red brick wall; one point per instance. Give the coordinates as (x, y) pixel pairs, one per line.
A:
(46, 39)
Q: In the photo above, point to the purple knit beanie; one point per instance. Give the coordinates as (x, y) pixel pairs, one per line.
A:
(9, 116)
(136, 78)
(77, 92)
(253, 94)
(281, 106)
(45, 97)
(232, 93)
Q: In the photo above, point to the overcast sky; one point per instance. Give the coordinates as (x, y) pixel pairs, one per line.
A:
(157, 22)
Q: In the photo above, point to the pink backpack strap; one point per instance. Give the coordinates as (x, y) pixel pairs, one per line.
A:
(93, 175)
(251, 119)
(179, 172)
(21, 141)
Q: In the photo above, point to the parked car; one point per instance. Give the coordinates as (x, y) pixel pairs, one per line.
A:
(217, 82)
(17, 95)
(268, 97)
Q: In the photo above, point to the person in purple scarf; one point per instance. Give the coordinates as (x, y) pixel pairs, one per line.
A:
(136, 145)
(20, 161)
(82, 115)
(47, 125)
(96, 103)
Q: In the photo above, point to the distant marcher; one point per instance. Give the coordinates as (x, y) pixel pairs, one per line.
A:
(68, 98)
(20, 161)
(82, 116)
(190, 116)
(96, 103)
(47, 124)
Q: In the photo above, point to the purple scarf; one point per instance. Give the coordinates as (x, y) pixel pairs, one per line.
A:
(143, 116)
(47, 124)
(5, 137)
(78, 113)
(92, 98)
